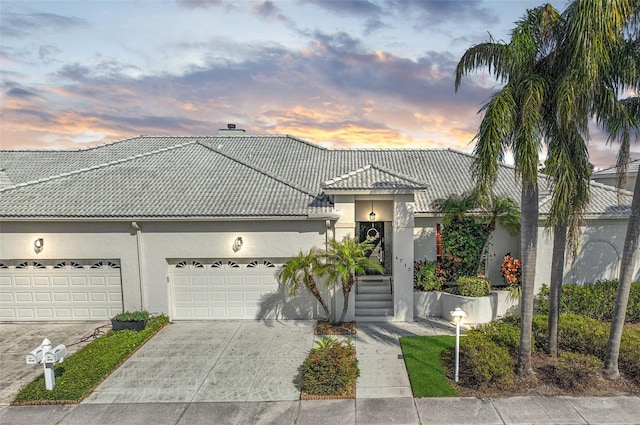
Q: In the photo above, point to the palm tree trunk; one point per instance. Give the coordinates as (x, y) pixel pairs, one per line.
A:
(528, 246)
(627, 262)
(316, 293)
(346, 290)
(555, 287)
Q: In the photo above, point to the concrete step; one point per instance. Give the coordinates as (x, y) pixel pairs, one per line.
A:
(374, 297)
(374, 289)
(374, 304)
(374, 319)
(361, 312)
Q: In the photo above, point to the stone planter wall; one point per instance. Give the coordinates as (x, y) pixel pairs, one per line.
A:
(478, 309)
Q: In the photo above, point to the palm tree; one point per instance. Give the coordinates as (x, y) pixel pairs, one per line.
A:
(600, 59)
(569, 169)
(299, 272)
(513, 121)
(343, 261)
(621, 124)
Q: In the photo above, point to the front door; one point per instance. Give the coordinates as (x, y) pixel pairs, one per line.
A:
(374, 233)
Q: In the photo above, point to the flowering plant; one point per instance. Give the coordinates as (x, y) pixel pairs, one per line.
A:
(511, 270)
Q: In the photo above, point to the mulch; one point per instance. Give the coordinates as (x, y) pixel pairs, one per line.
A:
(328, 328)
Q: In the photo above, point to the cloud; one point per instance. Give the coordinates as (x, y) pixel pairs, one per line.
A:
(427, 13)
(345, 7)
(22, 24)
(268, 10)
(199, 4)
(20, 92)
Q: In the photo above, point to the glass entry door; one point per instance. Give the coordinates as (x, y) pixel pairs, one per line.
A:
(378, 234)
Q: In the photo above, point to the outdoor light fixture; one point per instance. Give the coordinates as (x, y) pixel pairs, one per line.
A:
(237, 244)
(372, 215)
(458, 316)
(38, 245)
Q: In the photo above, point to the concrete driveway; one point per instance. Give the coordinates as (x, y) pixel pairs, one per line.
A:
(213, 361)
(17, 339)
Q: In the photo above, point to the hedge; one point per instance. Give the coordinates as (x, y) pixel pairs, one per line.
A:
(84, 370)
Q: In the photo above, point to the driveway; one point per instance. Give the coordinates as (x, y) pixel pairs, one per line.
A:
(213, 361)
(17, 339)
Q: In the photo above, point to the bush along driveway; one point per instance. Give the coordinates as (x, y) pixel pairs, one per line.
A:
(83, 371)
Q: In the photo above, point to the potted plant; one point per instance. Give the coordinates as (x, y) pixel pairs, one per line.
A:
(130, 320)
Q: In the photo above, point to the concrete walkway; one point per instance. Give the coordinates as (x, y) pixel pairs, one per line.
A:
(246, 372)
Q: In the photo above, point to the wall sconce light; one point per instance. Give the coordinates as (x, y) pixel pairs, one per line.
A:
(38, 245)
(237, 244)
(372, 215)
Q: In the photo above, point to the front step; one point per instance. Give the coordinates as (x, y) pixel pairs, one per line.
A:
(374, 300)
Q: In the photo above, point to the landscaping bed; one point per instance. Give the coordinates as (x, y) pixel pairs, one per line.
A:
(84, 370)
(324, 327)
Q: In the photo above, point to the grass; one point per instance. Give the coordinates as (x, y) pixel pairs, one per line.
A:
(84, 370)
(426, 372)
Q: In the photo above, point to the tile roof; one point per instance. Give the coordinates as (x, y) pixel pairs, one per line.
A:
(373, 177)
(234, 176)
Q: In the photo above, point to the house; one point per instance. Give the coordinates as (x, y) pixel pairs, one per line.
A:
(609, 175)
(196, 227)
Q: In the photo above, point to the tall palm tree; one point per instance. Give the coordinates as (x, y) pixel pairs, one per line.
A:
(600, 60)
(569, 171)
(513, 121)
(621, 125)
(299, 272)
(343, 261)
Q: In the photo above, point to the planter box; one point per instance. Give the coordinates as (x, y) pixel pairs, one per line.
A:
(427, 304)
(137, 326)
(478, 309)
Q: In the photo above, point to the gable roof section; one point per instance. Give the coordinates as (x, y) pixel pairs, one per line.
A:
(372, 178)
(188, 180)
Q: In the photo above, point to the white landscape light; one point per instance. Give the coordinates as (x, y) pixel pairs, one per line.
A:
(458, 315)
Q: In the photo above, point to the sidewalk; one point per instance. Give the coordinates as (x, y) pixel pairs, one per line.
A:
(387, 411)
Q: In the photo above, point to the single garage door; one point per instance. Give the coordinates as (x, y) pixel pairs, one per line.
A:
(59, 290)
(220, 289)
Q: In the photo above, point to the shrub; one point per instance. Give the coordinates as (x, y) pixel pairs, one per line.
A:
(132, 316)
(472, 286)
(331, 368)
(462, 243)
(596, 300)
(425, 278)
(82, 371)
(482, 361)
(629, 361)
(576, 333)
(575, 370)
(502, 332)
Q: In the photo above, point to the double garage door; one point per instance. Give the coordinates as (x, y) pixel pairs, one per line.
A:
(59, 290)
(222, 289)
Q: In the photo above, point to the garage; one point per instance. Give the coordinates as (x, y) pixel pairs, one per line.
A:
(59, 290)
(220, 289)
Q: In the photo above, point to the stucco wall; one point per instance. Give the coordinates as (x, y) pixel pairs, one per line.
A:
(598, 256)
(77, 240)
(159, 241)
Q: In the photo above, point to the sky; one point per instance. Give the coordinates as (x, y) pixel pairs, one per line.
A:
(341, 74)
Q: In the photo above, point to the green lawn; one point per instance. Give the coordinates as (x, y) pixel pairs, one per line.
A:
(426, 372)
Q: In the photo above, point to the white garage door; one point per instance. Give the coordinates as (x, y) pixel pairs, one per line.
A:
(220, 289)
(59, 290)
